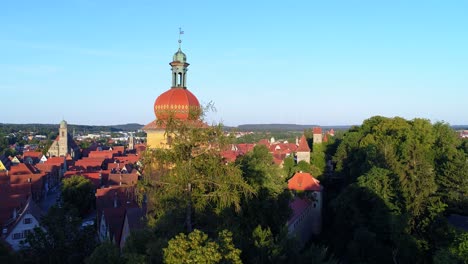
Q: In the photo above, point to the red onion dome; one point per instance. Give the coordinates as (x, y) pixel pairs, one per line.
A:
(179, 102)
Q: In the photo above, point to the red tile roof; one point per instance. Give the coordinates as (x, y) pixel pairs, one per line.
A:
(118, 149)
(128, 158)
(125, 196)
(106, 154)
(33, 154)
(317, 130)
(303, 146)
(25, 178)
(303, 181)
(325, 138)
(43, 167)
(140, 147)
(265, 142)
(4, 177)
(13, 189)
(90, 163)
(59, 161)
(123, 179)
(114, 218)
(230, 155)
(22, 168)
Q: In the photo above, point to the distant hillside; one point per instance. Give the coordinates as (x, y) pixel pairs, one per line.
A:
(460, 127)
(40, 128)
(294, 127)
(282, 127)
(128, 127)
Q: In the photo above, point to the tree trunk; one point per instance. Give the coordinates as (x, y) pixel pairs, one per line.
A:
(188, 216)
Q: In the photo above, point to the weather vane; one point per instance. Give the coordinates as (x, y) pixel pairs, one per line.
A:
(180, 33)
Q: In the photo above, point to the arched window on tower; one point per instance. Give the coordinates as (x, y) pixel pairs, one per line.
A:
(180, 79)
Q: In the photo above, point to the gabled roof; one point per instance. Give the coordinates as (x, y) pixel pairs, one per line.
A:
(114, 218)
(59, 161)
(26, 178)
(32, 154)
(123, 195)
(135, 217)
(140, 147)
(303, 181)
(30, 208)
(106, 154)
(123, 178)
(22, 168)
(230, 155)
(317, 130)
(303, 146)
(43, 167)
(129, 158)
(87, 163)
(4, 163)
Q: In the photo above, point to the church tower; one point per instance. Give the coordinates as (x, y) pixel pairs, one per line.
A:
(63, 139)
(177, 102)
(131, 142)
(303, 150)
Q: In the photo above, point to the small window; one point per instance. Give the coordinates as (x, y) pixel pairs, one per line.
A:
(27, 221)
(26, 232)
(17, 235)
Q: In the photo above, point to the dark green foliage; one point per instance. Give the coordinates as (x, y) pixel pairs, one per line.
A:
(105, 253)
(137, 244)
(401, 176)
(318, 159)
(196, 247)
(259, 170)
(289, 167)
(455, 252)
(78, 192)
(61, 234)
(6, 256)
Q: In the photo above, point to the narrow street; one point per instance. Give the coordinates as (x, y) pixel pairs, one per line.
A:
(50, 199)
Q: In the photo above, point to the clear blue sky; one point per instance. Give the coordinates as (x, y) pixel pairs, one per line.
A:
(302, 62)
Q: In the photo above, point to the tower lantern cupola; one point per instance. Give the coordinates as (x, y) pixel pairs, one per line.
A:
(179, 70)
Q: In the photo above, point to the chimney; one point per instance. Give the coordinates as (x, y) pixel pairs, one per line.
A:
(15, 214)
(297, 141)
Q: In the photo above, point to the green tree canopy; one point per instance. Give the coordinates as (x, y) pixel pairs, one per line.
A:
(191, 174)
(401, 175)
(78, 192)
(196, 247)
(60, 233)
(105, 253)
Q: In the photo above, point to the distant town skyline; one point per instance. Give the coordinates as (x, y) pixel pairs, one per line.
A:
(301, 62)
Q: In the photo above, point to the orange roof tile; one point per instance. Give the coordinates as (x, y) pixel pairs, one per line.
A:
(303, 146)
(303, 181)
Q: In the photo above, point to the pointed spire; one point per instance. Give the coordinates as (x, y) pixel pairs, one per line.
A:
(303, 146)
(180, 40)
